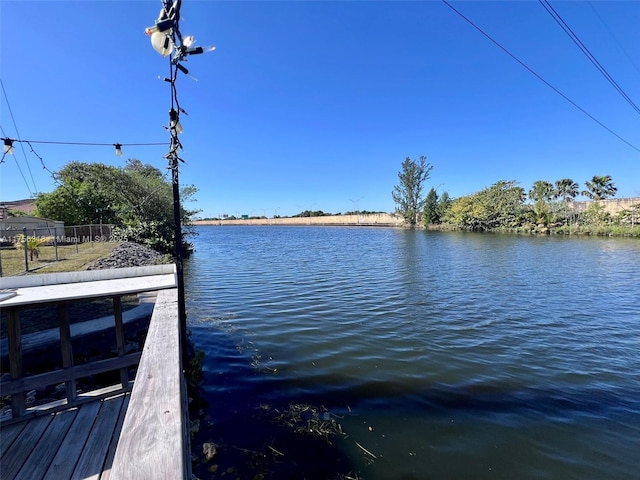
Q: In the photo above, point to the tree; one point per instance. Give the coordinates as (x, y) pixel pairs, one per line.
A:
(600, 187)
(87, 193)
(541, 193)
(567, 190)
(500, 205)
(408, 193)
(136, 199)
(430, 214)
(444, 202)
(33, 245)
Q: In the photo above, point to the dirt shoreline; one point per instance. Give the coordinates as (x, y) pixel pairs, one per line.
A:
(364, 220)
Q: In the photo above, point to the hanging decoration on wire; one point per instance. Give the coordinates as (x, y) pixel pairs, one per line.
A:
(167, 40)
(166, 37)
(9, 149)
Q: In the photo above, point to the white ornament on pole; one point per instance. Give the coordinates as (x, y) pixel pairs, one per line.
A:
(162, 43)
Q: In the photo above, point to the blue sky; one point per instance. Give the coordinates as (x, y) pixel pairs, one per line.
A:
(315, 104)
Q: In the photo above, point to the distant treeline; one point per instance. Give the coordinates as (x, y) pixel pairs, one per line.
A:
(503, 207)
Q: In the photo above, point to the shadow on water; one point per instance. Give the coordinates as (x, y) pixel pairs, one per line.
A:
(258, 439)
(246, 409)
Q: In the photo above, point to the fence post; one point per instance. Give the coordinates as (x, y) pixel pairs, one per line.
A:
(26, 256)
(55, 241)
(75, 235)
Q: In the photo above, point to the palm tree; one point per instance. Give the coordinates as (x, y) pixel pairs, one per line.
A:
(33, 245)
(600, 187)
(541, 193)
(566, 189)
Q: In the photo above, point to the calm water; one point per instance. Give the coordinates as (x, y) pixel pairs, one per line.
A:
(440, 355)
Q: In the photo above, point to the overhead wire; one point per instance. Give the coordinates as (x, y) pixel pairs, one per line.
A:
(15, 126)
(139, 202)
(539, 77)
(614, 37)
(583, 48)
(92, 144)
(4, 154)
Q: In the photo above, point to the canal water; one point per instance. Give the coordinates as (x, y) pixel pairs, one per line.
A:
(378, 353)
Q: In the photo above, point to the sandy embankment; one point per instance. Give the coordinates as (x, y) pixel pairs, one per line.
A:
(375, 220)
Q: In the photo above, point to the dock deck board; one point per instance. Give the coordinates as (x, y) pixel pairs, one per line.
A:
(112, 432)
(75, 443)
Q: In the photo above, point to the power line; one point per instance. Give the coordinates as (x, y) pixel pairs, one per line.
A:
(4, 92)
(572, 35)
(4, 154)
(92, 144)
(44, 166)
(538, 76)
(56, 179)
(614, 37)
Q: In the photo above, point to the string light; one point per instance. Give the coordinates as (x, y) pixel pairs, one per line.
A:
(10, 141)
(166, 39)
(8, 146)
(118, 149)
(174, 123)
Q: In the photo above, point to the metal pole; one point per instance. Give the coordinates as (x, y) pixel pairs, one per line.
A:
(182, 311)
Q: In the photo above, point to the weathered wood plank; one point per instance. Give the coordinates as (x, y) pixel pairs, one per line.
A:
(95, 450)
(8, 435)
(66, 349)
(152, 435)
(38, 462)
(43, 379)
(15, 358)
(61, 405)
(65, 460)
(106, 470)
(117, 313)
(14, 459)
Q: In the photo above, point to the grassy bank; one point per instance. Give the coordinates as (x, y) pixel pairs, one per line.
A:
(70, 258)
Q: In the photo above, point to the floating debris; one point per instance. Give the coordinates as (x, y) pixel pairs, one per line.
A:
(310, 420)
(365, 450)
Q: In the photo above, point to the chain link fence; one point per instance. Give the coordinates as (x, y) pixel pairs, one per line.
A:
(38, 246)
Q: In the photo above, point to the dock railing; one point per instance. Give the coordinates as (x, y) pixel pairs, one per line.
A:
(17, 293)
(154, 442)
(154, 439)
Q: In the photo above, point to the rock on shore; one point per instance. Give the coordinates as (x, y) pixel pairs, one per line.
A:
(129, 254)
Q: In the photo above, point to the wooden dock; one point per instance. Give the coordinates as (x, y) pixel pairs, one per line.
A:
(76, 443)
(130, 430)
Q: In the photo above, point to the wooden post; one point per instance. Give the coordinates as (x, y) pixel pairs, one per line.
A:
(117, 312)
(26, 253)
(15, 359)
(55, 241)
(67, 349)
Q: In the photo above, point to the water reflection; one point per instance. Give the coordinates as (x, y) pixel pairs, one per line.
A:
(444, 355)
